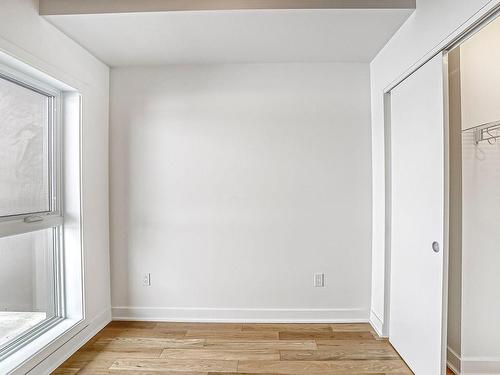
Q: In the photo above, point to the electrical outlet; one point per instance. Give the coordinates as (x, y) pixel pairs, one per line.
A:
(146, 280)
(319, 280)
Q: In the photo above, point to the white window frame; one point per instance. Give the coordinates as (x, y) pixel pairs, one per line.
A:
(16, 224)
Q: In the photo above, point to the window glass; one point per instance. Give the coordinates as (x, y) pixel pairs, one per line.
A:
(24, 150)
(27, 285)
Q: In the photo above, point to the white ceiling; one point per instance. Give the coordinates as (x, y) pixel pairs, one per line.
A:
(126, 39)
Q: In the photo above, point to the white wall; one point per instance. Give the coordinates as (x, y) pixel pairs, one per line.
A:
(29, 38)
(481, 255)
(233, 184)
(429, 27)
(480, 77)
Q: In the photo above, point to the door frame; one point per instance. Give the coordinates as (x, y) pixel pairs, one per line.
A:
(483, 17)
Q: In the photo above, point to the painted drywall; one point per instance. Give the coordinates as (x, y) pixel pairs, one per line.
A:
(480, 77)
(214, 37)
(28, 37)
(427, 29)
(481, 255)
(233, 185)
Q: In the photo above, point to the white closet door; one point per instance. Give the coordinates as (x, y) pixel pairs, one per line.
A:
(417, 303)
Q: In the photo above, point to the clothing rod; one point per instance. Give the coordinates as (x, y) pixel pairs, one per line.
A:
(484, 132)
(489, 126)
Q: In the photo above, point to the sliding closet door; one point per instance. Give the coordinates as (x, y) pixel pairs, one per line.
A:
(417, 303)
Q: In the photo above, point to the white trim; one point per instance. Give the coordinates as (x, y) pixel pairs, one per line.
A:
(72, 343)
(13, 228)
(13, 223)
(58, 7)
(238, 315)
(27, 357)
(20, 77)
(453, 361)
(469, 26)
(480, 365)
(377, 323)
(385, 319)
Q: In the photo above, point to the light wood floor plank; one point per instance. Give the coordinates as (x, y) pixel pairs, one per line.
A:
(128, 325)
(131, 343)
(324, 344)
(79, 363)
(312, 335)
(349, 327)
(261, 344)
(238, 355)
(323, 367)
(150, 332)
(277, 327)
(200, 326)
(234, 335)
(162, 364)
(339, 354)
(90, 356)
(65, 371)
(139, 372)
(305, 373)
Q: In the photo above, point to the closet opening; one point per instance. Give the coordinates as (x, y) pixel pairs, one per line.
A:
(474, 209)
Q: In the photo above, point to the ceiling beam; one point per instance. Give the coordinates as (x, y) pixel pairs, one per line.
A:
(61, 7)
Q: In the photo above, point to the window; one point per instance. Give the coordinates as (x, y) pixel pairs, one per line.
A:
(31, 268)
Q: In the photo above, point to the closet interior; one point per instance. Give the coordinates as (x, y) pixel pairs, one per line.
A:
(474, 235)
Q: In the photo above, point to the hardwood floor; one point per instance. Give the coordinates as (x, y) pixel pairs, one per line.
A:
(214, 349)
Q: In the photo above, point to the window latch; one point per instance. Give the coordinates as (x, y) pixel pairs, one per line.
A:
(33, 219)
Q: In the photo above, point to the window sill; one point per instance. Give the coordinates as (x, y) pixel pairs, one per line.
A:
(37, 350)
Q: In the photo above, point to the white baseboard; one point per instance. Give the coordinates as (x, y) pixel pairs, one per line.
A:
(241, 315)
(480, 366)
(377, 323)
(453, 361)
(56, 358)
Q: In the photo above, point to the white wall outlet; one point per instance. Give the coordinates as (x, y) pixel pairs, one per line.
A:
(146, 280)
(319, 280)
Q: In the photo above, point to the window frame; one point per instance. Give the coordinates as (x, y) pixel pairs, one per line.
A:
(53, 219)
(54, 111)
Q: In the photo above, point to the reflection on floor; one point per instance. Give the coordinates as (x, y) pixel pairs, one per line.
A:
(14, 323)
(215, 349)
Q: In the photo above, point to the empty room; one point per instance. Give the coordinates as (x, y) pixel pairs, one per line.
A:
(222, 187)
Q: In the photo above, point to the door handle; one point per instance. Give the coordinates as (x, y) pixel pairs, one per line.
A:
(33, 219)
(435, 246)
